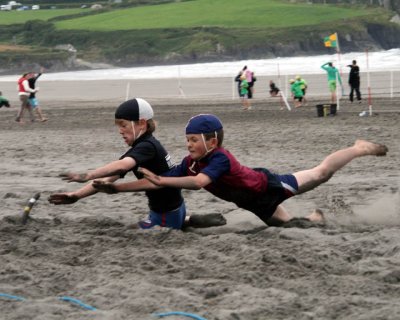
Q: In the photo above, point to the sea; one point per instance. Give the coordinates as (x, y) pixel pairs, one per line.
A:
(388, 60)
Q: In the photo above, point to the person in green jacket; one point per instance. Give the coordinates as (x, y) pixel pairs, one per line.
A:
(303, 87)
(333, 74)
(297, 93)
(244, 93)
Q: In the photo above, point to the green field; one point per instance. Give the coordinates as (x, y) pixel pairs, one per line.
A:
(214, 13)
(12, 17)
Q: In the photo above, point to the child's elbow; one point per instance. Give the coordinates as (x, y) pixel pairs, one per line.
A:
(197, 186)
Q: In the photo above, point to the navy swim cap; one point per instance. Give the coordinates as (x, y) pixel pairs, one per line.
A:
(203, 123)
(134, 110)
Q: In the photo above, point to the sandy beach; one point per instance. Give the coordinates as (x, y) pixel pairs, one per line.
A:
(348, 268)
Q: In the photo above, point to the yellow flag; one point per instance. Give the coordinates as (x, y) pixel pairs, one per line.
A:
(331, 41)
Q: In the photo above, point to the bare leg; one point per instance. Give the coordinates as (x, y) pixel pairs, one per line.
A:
(24, 104)
(279, 217)
(40, 114)
(333, 97)
(309, 179)
(30, 110)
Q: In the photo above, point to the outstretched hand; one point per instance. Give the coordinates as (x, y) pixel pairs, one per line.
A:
(153, 178)
(103, 186)
(62, 198)
(74, 177)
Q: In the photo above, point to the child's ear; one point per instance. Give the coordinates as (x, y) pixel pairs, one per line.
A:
(214, 142)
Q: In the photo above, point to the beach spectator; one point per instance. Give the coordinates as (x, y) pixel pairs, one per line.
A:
(251, 79)
(297, 93)
(273, 89)
(134, 119)
(244, 93)
(238, 80)
(33, 102)
(24, 91)
(303, 87)
(3, 101)
(212, 167)
(333, 74)
(354, 81)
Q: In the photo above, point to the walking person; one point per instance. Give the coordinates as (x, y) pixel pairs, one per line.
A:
(34, 103)
(24, 91)
(297, 93)
(354, 81)
(303, 86)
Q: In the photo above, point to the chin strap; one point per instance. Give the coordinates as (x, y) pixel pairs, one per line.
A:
(205, 145)
(191, 168)
(133, 131)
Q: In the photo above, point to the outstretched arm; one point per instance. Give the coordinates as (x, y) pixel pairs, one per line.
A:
(189, 182)
(111, 169)
(72, 197)
(132, 186)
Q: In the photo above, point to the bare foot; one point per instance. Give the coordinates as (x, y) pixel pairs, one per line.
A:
(316, 216)
(370, 148)
(44, 120)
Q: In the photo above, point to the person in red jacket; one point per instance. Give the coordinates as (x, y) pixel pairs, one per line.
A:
(24, 91)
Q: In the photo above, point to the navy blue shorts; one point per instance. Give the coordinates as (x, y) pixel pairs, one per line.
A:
(279, 188)
(171, 219)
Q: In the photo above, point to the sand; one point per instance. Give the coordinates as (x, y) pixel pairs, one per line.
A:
(348, 268)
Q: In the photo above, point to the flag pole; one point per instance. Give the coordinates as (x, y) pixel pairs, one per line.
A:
(368, 84)
(338, 53)
(280, 93)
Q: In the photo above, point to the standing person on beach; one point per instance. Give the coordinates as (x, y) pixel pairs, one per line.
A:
(24, 91)
(297, 93)
(134, 119)
(332, 74)
(239, 80)
(212, 167)
(251, 79)
(354, 81)
(34, 103)
(244, 93)
(3, 101)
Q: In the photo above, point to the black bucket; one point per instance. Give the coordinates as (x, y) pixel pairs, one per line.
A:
(324, 110)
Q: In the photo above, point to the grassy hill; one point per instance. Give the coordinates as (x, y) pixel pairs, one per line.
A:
(212, 13)
(193, 31)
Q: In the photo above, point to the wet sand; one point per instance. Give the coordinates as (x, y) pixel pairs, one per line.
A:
(348, 268)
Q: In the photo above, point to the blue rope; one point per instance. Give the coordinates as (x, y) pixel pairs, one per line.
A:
(173, 313)
(9, 296)
(77, 302)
